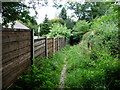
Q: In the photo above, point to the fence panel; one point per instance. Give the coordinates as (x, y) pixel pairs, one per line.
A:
(39, 47)
(56, 44)
(16, 54)
(61, 43)
(50, 46)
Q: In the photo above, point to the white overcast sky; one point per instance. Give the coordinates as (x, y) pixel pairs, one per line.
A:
(50, 11)
(42, 11)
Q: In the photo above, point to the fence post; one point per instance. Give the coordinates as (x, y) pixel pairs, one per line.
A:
(46, 52)
(53, 44)
(32, 46)
(58, 43)
(1, 53)
(64, 41)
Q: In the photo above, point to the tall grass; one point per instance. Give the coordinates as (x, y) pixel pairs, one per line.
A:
(86, 72)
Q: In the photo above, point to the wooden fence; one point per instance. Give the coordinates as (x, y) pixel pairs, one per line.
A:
(16, 54)
(18, 50)
(46, 46)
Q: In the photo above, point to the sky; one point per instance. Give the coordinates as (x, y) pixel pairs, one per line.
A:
(42, 11)
(51, 12)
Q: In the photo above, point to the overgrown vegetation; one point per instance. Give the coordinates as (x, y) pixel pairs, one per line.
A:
(96, 65)
(92, 64)
(92, 70)
(79, 29)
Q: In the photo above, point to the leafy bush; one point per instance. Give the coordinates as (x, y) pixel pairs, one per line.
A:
(58, 30)
(80, 28)
(69, 23)
(104, 32)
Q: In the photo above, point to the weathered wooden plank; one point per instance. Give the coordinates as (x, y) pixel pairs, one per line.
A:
(11, 77)
(14, 30)
(15, 36)
(14, 46)
(41, 54)
(17, 68)
(39, 39)
(40, 50)
(38, 53)
(39, 47)
(16, 54)
(8, 56)
(37, 43)
(16, 61)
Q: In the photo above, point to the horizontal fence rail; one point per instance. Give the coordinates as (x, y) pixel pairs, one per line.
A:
(18, 50)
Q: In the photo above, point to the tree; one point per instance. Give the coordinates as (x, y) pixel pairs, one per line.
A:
(46, 19)
(69, 23)
(48, 24)
(32, 24)
(58, 30)
(88, 10)
(79, 29)
(45, 26)
(57, 20)
(14, 11)
(19, 11)
(97, 9)
(63, 14)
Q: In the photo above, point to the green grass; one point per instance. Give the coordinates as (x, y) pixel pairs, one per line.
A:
(86, 72)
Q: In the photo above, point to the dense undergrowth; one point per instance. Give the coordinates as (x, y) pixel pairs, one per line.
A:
(44, 73)
(96, 64)
(86, 72)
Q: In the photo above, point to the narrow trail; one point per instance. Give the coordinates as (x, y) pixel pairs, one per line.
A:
(63, 76)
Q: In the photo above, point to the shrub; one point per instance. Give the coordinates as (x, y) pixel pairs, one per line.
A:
(80, 28)
(58, 30)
